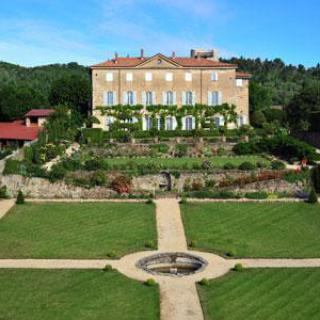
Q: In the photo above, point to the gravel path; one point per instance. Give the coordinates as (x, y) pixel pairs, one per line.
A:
(171, 235)
(5, 206)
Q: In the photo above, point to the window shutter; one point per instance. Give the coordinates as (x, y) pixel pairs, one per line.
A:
(174, 98)
(221, 121)
(194, 98)
(164, 98)
(184, 98)
(134, 97)
(125, 98)
(105, 98)
(153, 97)
(144, 98)
(144, 124)
(209, 98)
(193, 123)
(239, 121)
(115, 100)
(244, 120)
(220, 97)
(183, 123)
(214, 76)
(174, 123)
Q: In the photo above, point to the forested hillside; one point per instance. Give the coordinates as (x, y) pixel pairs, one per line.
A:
(283, 81)
(24, 88)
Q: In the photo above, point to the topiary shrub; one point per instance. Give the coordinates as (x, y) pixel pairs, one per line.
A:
(112, 254)
(204, 282)
(247, 166)
(20, 198)
(3, 192)
(150, 282)
(192, 244)
(230, 253)
(183, 200)
(313, 197)
(229, 166)
(150, 201)
(149, 244)
(107, 268)
(277, 165)
(238, 267)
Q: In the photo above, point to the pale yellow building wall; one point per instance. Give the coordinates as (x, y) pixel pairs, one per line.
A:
(201, 83)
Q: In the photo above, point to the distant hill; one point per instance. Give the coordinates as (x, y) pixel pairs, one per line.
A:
(284, 81)
(23, 88)
(39, 78)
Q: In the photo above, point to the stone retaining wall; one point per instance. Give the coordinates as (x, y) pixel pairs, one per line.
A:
(42, 188)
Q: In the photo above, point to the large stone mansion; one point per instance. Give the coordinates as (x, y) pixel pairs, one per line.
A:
(162, 80)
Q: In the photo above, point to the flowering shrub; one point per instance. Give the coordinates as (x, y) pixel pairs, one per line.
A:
(121, 184)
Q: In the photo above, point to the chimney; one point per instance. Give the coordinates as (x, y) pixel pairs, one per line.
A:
(141, 54)
(116, 57)
(173, 54)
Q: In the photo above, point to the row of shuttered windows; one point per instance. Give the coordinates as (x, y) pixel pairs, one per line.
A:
(168, 98)
(170, 122)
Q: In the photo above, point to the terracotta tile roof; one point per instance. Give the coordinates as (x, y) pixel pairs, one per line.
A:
(39, 113)
(201, 62)
(17, 130)
(184, 62)
(243, 75)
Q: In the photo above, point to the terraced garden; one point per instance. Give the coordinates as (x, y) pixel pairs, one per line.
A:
(75, 295)
(274, 230)
(184, 162)
(77, 230)
(263, 294)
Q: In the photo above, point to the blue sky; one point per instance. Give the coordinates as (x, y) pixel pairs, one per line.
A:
(36, 32)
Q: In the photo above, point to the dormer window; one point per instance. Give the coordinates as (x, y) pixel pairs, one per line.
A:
(239, 82)
(109, 76)
(188, 76)
(148, 76)
(214, 76)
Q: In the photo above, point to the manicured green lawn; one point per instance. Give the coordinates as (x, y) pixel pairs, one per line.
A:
(75, 295)
(263, 294)
(182, 163)
(76, 230)
(254, 229)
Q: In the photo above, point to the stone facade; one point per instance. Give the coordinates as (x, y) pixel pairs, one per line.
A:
(151, 81)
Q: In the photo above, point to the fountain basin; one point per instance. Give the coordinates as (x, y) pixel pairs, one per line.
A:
(175, 264)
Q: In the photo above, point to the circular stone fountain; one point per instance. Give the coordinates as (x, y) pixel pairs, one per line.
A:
(176, 264)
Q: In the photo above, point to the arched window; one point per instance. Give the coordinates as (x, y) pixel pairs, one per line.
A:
(189, 100)
(189, 123)
(148, 123)
(169, 123)
(149, 96)
(169, 98)
(130, 98)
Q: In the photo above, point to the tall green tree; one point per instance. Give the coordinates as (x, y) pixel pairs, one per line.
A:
(72, 91)
(303, 112)
(16, 101)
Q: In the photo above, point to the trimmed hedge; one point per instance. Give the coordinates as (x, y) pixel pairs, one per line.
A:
(283, 146)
